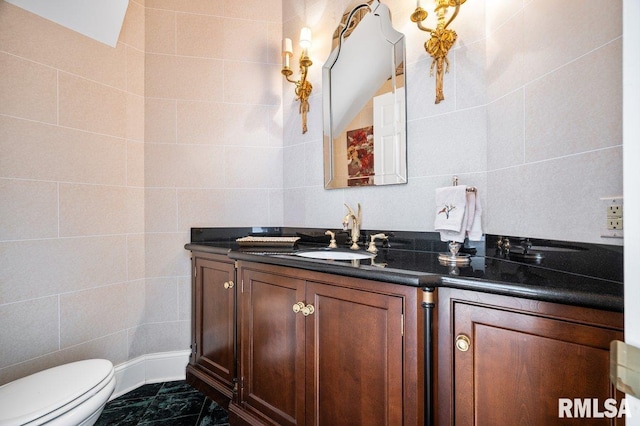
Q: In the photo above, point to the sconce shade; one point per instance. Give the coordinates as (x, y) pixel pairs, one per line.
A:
(305, 38)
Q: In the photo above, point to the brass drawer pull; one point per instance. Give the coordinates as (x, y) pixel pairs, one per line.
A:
(463, 343)
(228, 284)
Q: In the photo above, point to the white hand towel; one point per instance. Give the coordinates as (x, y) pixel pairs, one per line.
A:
(468, 221)
(451, 205)
(474, 231)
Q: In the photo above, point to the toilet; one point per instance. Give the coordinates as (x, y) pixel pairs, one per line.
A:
(72, 394)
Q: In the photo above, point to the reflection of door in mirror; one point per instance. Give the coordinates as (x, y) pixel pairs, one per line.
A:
(364, 102)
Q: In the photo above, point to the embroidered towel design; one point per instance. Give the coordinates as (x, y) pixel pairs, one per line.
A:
(451, 204)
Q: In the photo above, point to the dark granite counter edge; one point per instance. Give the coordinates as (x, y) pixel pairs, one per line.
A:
(539, 293)
(423, 279)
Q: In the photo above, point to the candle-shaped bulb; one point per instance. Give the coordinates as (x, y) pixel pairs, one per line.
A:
(287, 46)
(287, 51)
(305, 38)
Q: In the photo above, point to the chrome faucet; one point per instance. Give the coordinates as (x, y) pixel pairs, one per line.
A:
(355, 220)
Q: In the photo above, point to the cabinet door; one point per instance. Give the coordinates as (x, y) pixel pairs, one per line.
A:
(214, 325)
(519, 365)
(272, 359)
(354, 350)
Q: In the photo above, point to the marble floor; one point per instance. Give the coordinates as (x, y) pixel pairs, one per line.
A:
(169, 403)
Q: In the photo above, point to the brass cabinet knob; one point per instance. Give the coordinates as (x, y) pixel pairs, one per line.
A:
(308, 310)
(298, 307)
(463, 343)
(228, 284)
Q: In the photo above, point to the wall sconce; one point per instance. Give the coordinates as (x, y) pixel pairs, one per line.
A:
(303, 87)
(442, 38)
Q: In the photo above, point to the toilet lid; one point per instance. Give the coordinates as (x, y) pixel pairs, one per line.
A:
(34, 396)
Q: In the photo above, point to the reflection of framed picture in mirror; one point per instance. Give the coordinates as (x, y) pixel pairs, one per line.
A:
(360, 156)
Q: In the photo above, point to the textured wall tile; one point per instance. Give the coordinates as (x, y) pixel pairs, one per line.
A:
(165, 254)
(28, 210)
(161, 300)
(160, 31)
(135, 73)
(135, 164)
(90, 106)
(32, 150)
(576, 108)
(180, 77)
(160, 120)
(202, 122)
(578, 27)
(246, 40)
(199, 35)
(571, 208)
(133, 27)
(505, 131)
(167, 336)
(29, 36)
(64, 265)
(202, 207)
(191, 166)
(28, 90)
(455, 144)
(93, 210)
(261, 88)
(92, 313)
(269, 10)
(135, 256)
(505, 58)
(265, 165)
(161, 210)
(184, 298)
(29, 329)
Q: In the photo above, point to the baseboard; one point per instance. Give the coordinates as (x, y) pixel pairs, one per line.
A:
(151, 368)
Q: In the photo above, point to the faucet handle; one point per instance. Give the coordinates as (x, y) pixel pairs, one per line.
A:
(332, 243)
(372, 244)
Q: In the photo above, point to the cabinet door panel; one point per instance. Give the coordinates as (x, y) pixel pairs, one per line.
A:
(519, 365)
(272, 348)
(354, 357)
(215, 313)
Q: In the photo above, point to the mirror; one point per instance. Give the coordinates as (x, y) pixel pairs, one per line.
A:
(364, 101)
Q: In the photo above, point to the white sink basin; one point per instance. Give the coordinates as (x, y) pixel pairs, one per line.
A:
(336, 255)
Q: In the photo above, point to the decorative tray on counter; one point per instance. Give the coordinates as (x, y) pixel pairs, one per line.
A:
(267, 241)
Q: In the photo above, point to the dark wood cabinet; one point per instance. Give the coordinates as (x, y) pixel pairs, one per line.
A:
(345, 357)
(505, 360)
(212, 366)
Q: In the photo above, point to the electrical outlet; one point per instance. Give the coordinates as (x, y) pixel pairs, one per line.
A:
(612, 207)
(614, 211)
(613, 224)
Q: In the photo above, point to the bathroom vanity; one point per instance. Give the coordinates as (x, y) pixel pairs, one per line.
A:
(399, 339)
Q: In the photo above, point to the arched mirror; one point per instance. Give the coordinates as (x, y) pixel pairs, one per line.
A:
(364, 101)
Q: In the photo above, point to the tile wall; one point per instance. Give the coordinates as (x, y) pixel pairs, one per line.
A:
(109, 156)
(72, 243)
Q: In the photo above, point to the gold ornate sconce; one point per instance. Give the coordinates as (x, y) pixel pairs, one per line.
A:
(442, 38)
(303, 87)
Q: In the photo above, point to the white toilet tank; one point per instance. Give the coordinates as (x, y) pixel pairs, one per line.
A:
(70, 394)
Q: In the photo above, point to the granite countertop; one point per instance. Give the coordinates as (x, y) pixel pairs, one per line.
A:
(580, 274)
